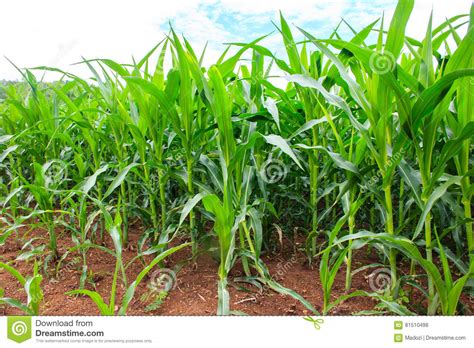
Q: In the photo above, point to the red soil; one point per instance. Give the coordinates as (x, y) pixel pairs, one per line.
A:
(195, 292)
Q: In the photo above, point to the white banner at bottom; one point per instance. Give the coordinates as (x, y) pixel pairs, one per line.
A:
(236, 331)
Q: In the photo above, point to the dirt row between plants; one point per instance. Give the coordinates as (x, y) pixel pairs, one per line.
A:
(194, 292)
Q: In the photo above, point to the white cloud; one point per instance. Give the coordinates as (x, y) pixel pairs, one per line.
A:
(58, 33)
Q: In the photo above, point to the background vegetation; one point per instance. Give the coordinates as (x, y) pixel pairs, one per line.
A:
(369, 146)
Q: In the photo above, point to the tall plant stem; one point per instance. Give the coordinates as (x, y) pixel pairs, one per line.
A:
(314, 173)
(52, 239)
(162, 202)
(390, 230)
(469, 233)
(429, 255)
(349, 255)
(123, 194)
(400, 203)
(314, 199)
(189, 170)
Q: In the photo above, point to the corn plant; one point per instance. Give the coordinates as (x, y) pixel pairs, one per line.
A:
(372, 131)
(32, 287)
(113, 226)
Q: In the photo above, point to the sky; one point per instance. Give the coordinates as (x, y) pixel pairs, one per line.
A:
(58, 33)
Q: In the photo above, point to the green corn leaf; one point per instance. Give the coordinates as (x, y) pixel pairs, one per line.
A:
(119, 179)
(94, 296)
(128, 296)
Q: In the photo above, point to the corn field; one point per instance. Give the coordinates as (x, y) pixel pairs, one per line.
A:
(367, 148)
